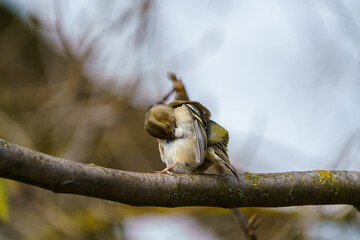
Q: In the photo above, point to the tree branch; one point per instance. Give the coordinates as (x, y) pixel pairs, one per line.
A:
(148, 189)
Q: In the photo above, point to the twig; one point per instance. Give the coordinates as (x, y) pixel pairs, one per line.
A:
(248, 227)
(179, 87)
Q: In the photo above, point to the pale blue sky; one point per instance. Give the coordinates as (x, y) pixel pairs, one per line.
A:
(281, 76)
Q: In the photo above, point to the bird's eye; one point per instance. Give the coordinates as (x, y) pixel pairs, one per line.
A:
(167, 125)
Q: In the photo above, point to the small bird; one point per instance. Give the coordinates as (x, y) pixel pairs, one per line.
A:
(189, 142)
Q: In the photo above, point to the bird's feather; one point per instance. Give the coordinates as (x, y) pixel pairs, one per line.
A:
(200, 117)
(200, 133)
(217, 135)
(204, 112)
(218, 138)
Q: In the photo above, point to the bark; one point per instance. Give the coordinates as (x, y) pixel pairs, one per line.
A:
(318, 187)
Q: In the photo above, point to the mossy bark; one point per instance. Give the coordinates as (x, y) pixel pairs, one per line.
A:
(150, 189)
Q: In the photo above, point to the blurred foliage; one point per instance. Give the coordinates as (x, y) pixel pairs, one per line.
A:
(49, 104)
(4, 212)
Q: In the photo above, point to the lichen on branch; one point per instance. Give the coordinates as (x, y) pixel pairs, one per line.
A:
(151, 189)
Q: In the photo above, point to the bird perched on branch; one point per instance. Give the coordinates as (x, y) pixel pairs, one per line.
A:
(189, 142)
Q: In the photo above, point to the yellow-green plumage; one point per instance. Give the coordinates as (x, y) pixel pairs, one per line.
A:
(217, 134)
(194, 143)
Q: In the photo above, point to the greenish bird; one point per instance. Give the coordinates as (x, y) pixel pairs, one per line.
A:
(189, 142)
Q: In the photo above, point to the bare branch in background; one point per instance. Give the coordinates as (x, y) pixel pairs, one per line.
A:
(248, 227)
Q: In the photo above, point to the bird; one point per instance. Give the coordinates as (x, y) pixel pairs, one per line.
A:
(189, 142)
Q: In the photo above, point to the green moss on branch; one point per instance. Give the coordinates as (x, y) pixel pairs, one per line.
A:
(144, 189)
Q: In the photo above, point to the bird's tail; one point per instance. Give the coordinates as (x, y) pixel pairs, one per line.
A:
(228, 165)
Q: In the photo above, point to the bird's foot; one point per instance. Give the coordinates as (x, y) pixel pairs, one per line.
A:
(166, 171)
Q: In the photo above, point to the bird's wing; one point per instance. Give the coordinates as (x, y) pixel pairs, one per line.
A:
(204, 112)
(218, 139)
(217, 135)
(199, 126)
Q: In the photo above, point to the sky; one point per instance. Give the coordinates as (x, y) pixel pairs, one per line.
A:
(281, 76)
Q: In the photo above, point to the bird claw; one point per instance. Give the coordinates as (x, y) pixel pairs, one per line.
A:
(165, 171)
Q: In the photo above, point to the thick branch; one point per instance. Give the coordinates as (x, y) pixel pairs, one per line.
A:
(147, 189)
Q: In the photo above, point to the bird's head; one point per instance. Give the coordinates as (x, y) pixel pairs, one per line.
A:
(160, 121)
